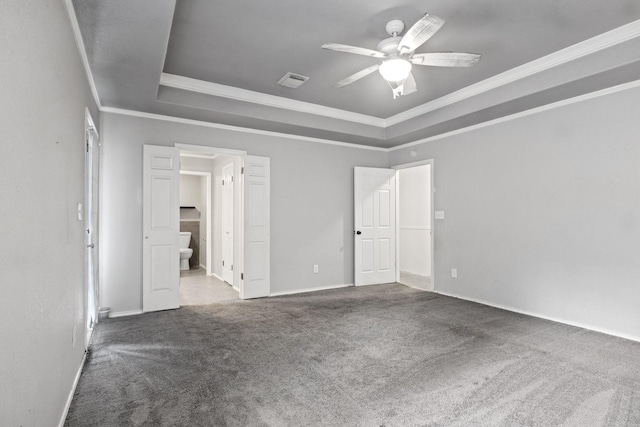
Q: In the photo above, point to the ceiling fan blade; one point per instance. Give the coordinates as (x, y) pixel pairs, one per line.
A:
(353, 49)
(410, 85)
(421, 31)
(357, 76)
(446, 59)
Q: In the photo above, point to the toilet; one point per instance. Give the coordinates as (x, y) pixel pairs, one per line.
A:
(185, 251)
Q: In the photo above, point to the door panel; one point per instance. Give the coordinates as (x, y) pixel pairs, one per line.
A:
(375, 219)
(256, 228)
(161, 228)
(227, 223)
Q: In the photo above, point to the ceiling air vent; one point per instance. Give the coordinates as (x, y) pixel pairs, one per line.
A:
(292, 80)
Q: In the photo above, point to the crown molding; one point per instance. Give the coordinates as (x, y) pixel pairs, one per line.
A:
(552, 106)
(173, 119)
(77, 35)
(558, 104)
(230, 92)
(578, 50)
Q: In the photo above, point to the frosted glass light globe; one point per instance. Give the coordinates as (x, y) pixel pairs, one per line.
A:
(395, 70)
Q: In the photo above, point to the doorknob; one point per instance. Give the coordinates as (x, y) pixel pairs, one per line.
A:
(358, 232)
(91, 246)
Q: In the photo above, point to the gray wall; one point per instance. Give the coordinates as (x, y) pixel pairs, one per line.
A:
(542, 213)
(311, 203)
(44, 92)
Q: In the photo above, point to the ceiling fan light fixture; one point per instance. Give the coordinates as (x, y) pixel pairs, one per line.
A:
(395, 69)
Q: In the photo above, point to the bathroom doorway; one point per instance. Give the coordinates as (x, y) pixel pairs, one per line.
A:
(414, 225)
(208, 204)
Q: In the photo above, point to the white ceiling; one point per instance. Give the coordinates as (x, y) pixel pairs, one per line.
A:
(220, 61)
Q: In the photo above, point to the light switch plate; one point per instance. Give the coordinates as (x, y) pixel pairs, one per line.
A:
(79, 211)
(439, 214)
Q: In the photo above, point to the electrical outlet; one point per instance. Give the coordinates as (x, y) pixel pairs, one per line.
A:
(73, 337)
(315, 268)
(454, 272)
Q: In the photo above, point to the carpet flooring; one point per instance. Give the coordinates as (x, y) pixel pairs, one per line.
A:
(385, 355)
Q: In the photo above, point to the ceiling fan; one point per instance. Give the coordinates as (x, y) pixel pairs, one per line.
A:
(398, 54)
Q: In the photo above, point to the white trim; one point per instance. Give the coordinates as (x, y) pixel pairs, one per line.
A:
(90, 123)
(77, 35)
(124, 313)
(197, 173)
(153, 116)
(578, 50)
(554, 105)
(558, 104)
(305, 290)
(413, 164)
(238, 94)
(415, 227)
(542, 316)
(198, 156)
(67, 405)
(205, 149)
(220, 278)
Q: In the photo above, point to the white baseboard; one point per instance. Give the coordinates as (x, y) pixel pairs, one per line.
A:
(542, 316)
(300, 291)
(217, 277)
(72, 392)
(124, 313)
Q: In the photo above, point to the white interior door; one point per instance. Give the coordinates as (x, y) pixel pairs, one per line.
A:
(161, 228)
(91, 221)
(255, 277)
(375, 226)
(227, 223)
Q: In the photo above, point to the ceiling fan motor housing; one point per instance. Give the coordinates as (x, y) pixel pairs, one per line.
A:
(395, 27)
(389, 45)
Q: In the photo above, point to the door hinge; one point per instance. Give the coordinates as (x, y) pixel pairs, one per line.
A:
(241, 276)
(232, 178)
(87, 146)
(242, 170)
(223, 182)
(223, 263)
(231, 267)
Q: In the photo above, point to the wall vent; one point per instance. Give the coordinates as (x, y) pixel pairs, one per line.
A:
(292, 80)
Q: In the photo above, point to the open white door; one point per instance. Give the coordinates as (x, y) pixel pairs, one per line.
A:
(161, 228)
(255, 277)
(375, 226)
(227, 223)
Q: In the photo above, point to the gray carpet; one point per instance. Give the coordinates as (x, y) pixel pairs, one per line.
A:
(384, 355)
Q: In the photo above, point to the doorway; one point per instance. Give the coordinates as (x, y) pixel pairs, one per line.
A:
(207, 210)
(393, 225)
(414, 238)
(161, 256)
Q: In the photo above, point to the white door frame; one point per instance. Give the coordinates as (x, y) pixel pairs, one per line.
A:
(433, 222)
(225, 209)
(90, 273)
(207, 234)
